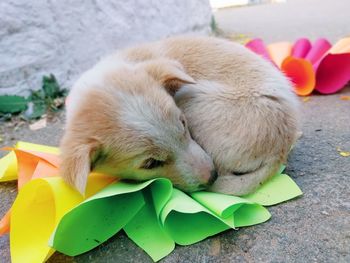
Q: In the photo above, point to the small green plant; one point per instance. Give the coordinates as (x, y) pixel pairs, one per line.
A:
(213, 24)
(49, 97)
(215, 30)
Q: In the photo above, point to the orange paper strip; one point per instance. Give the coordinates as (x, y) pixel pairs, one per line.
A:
(301, 73)
(5, 223)
(28, 162)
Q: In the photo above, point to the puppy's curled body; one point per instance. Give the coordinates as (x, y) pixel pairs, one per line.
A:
(239, 108)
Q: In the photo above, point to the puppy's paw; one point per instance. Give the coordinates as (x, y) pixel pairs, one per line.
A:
(233, 185)
(246, 183)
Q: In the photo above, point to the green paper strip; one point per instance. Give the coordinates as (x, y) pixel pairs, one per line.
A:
(94, 222)
(249, 215)
(99, 217)
(146, 230)
(278, 189)
(244, 212)
(191, 220)
(156, 216)
(188, 222)
(220, 204)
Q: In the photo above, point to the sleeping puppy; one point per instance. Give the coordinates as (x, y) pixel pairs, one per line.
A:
(203, 112)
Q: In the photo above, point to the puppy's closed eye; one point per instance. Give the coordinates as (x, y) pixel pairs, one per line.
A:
(239, 173)
(152, 163)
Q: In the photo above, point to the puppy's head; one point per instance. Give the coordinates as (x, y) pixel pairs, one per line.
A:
(124, 122)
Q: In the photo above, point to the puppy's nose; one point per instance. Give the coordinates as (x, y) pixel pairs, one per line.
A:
(213, 177)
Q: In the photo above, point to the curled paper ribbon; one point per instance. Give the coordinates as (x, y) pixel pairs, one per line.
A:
(279, 51)
(317, 51)
(36, 211)
(318, 66)
(34, 161)
(8, 164)
(48, 215)
(301, 73)
(333, 73)
(156, 216)
(189, 219)
(134, 207)
(42, 200)
(257, 45)
(301, 48)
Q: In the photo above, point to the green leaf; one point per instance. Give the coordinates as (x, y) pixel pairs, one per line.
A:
(12, 104)
(36, 105)
(36, 95)
(63, 93)
(39, 109)
(51, 87)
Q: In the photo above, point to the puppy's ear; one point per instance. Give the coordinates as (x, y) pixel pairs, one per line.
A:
(75, 161)
(169, 73)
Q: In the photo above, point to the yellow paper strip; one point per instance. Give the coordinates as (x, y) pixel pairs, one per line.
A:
(38, 208)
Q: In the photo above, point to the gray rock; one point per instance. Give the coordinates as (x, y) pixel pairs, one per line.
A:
(67, 37)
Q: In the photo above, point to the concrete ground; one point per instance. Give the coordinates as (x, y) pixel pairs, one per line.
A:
(313, 228)
(288, 21)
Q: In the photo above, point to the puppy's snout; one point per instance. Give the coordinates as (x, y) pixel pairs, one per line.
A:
(199, 172)
(210, 179)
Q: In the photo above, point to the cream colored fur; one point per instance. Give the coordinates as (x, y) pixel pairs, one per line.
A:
(239, 108)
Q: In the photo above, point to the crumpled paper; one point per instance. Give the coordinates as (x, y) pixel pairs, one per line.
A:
(48, 215)
(310, 66)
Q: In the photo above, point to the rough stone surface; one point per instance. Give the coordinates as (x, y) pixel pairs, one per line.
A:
(67, 37)
(312, 228)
